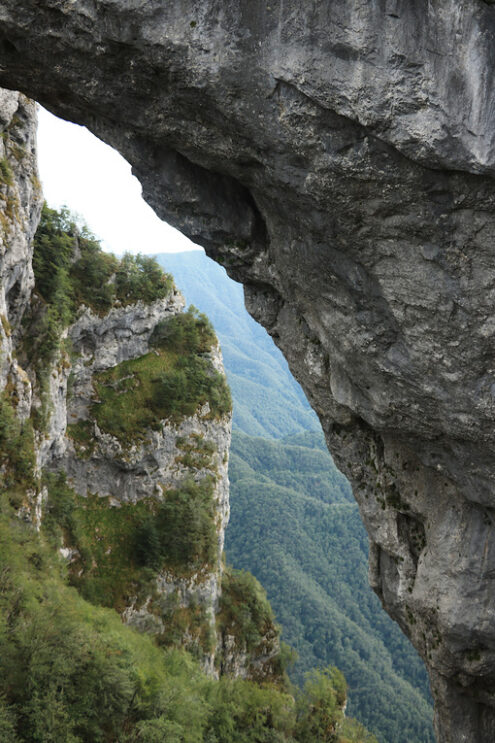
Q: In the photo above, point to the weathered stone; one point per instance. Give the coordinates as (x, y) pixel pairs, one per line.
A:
(126, 470)
(338, 158)
(20, 203)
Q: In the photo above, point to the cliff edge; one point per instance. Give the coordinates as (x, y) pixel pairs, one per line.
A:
(338, 158)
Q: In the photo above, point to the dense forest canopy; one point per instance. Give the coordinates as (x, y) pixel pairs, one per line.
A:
(294, 523)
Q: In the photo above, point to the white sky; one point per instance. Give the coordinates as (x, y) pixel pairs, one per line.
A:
(80, 171)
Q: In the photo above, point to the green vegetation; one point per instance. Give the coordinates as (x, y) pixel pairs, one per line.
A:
(5, 325)
(171, 381)
(70, 671)
(17, 458)
(246, 615)
(295, 526)
(185, 626)
(321, 719)
(81, 434)
(140, 278)
(185, 334)
(181, 534)
(105, 568)
(120, 548)
(244, 609)
(6, 175)
(71, 269)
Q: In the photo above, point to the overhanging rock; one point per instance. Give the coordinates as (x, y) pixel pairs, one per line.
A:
(338, 158)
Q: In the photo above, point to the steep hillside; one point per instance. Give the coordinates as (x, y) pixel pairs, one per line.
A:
(118, 621)
(268, 401)
(296, 527)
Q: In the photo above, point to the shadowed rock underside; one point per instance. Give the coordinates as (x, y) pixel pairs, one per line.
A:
(338, 158)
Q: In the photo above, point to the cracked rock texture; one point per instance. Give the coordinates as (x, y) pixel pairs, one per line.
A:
(338, 157)
(126, 471)
(120, 472)
(20, 204)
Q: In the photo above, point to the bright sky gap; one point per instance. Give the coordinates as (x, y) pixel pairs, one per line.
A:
(94, 181)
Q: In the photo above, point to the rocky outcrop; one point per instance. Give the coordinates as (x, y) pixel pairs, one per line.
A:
(130, 475)
(338, 158)
(131, 472)
(145, 464)
(20, 203)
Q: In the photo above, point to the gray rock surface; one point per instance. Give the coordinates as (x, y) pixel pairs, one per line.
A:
(338, 158)
(20, 203)
(126, 471)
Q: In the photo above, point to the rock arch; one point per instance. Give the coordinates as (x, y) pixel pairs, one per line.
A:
(338, 158)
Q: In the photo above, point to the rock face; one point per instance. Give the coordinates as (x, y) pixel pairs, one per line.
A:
(20, 203)
(338, 158)
(121, 479)
(124, 471)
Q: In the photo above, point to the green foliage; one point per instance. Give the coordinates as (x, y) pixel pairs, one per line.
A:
(294, 525)
(6, 175)
(140, 278)
(244, 609)
(188, 333)
(72, 672)
(7, 723)
(119, 549)
(245, 614)
(81, 434)
(17, 458)
(105, 568)
(181, 534)
(244, 712)
(91, 276)
(71, 269)
(353, 731)
(52, 257)
(320, 706)
(185, 626)
(170, 382)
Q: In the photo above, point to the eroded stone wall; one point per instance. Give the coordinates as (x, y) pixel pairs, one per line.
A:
(338, 159)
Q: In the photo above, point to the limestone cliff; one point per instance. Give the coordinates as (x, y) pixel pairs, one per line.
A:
(20, 204)
(338, 158)
(148, 461)
(114, 432)
(126, 404)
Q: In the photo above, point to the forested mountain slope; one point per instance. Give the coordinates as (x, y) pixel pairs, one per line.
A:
(268, 399)
(295, 525)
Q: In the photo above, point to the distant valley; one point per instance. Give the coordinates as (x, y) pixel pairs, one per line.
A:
(295, 525)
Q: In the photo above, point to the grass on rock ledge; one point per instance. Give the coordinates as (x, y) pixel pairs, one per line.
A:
(71, 270)
(120, 549)
(171, 382)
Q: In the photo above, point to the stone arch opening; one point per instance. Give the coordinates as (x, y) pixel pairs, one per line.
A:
(398, 347)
